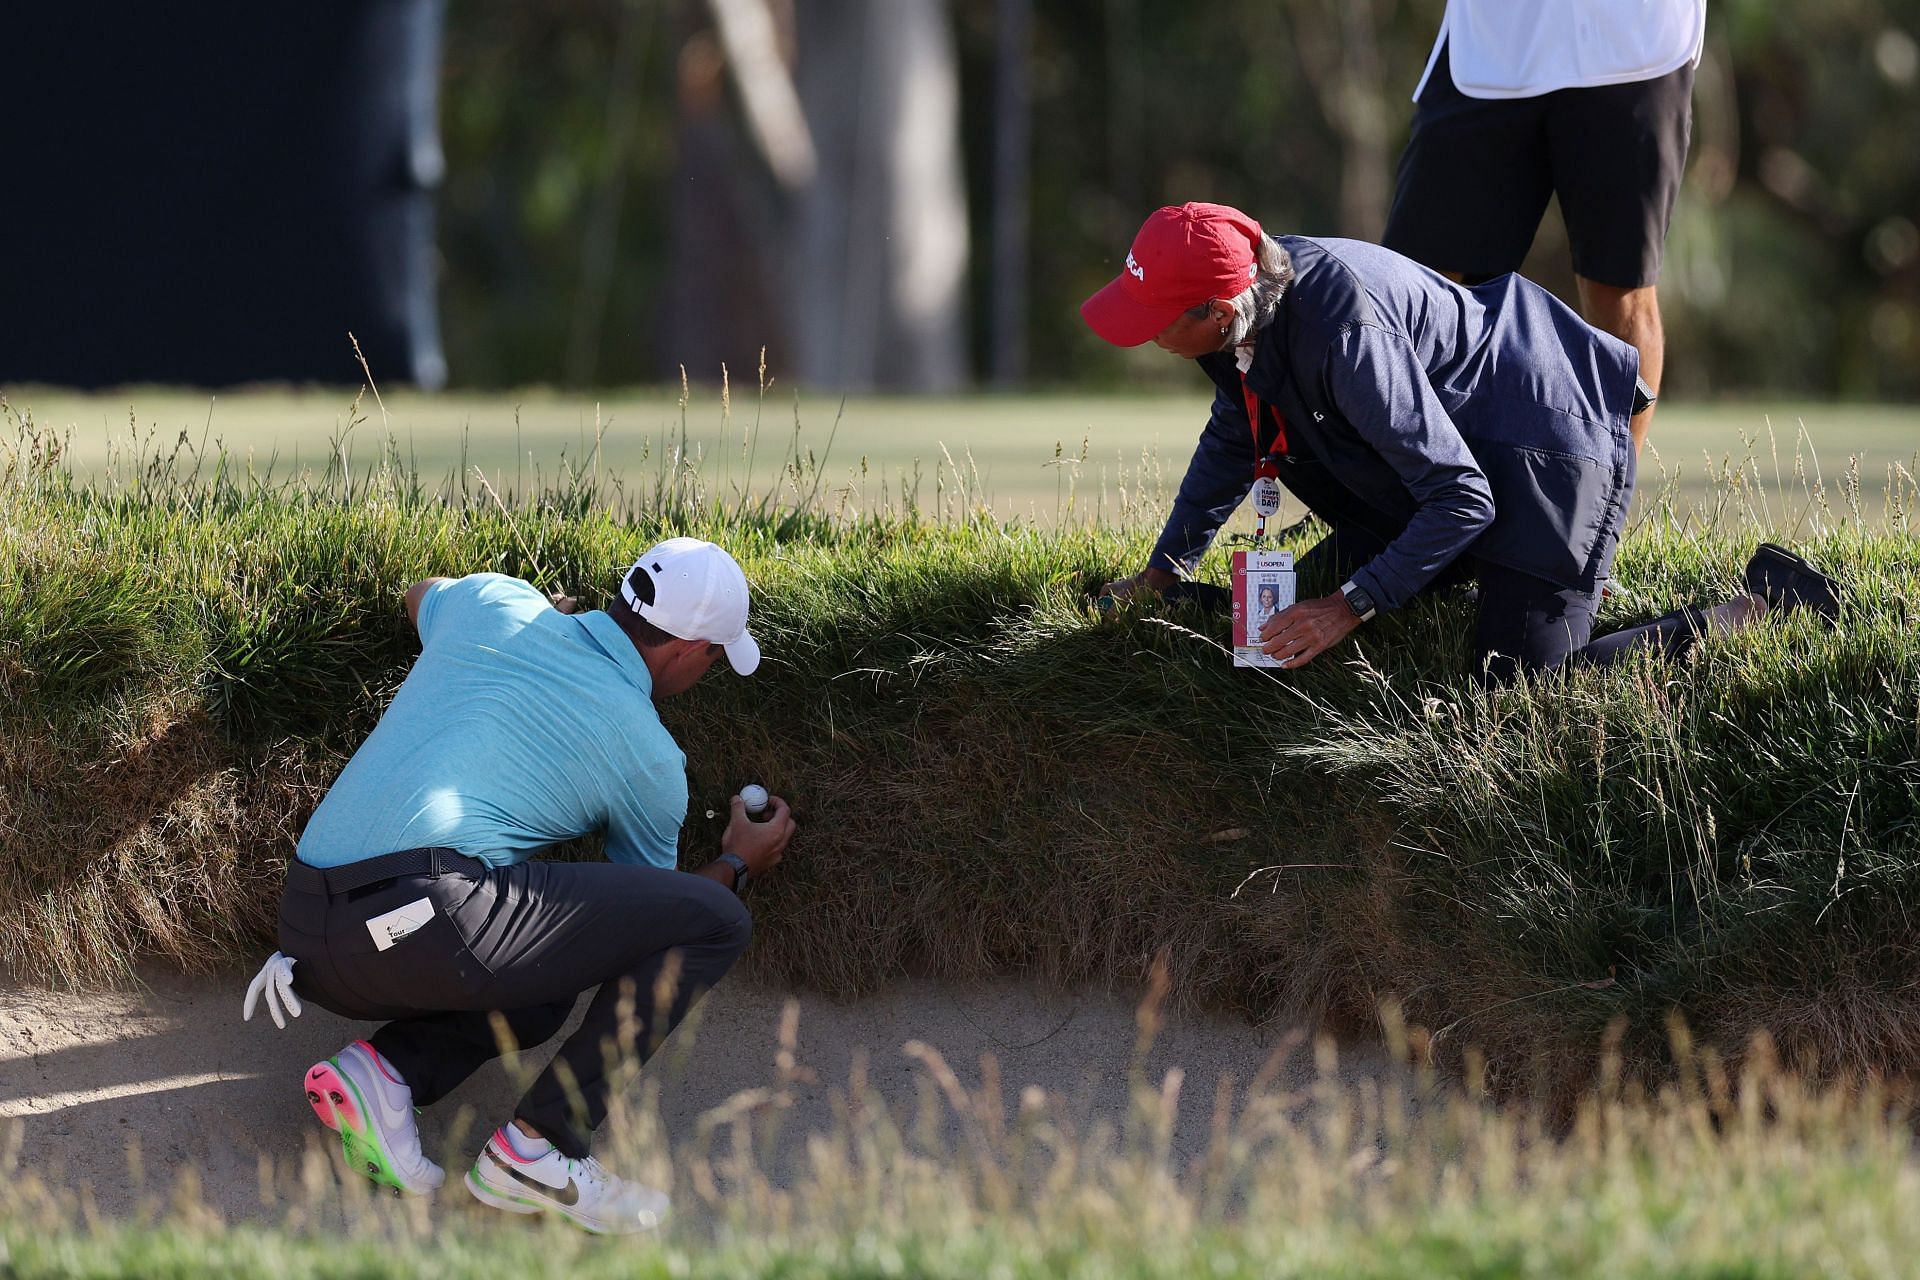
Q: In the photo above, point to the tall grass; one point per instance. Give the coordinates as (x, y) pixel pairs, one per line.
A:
(1721, 1173)
(993, 778)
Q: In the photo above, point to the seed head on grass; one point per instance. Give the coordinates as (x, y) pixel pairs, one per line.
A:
(994, 782)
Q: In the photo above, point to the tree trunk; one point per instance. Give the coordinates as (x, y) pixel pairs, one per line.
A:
(823, 216)
(1340, 53)
(876, 265)
(1012, 150)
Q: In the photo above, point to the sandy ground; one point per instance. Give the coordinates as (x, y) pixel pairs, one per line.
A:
(120, 1092)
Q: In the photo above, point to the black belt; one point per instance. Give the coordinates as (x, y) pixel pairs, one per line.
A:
(333, 881)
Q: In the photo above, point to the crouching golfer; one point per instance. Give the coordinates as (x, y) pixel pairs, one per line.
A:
(1445, 434)
(412, 897)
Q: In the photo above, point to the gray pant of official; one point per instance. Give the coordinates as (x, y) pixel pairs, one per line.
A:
(522, 942)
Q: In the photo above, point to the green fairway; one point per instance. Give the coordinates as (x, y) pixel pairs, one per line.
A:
(1087, 456)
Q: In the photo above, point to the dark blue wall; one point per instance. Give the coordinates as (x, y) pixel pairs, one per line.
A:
(217, 193)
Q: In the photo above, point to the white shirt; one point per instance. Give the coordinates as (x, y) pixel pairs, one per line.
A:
(1524, 48)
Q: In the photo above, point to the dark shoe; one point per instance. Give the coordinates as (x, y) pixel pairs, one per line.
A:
(1788, 582)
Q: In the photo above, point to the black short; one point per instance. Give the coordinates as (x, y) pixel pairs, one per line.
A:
(1477, 173)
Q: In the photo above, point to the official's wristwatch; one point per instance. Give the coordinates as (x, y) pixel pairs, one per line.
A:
(1359, 601)
(740, 871)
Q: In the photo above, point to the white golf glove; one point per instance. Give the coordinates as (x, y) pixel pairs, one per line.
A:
(275, 979)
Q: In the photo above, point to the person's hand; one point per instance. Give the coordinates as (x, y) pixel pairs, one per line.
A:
(563, 602)
(275, 981)
(761, 844)
(1302, 632)
(1149, 580)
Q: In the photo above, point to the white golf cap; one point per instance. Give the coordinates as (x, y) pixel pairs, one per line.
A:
(699, 593)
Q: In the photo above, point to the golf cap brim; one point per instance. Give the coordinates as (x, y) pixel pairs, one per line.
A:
(743, 654)
(1118, 316)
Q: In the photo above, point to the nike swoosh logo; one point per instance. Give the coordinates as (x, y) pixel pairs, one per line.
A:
(568, 1195)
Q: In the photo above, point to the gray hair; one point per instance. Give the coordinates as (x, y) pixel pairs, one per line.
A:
(1253, 309)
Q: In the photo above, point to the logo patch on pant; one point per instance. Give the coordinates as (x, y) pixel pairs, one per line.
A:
(401, 922)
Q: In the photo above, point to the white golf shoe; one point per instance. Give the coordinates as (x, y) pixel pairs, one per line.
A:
(582, 1192)
(363, 1099)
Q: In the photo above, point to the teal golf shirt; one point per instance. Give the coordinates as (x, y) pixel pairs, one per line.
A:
(518, 727)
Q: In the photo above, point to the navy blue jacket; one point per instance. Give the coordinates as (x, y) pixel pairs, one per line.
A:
(1447, 421)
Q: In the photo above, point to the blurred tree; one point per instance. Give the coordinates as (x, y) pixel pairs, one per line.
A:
(1803, 268)
(1340, 56)
(1011, 188)
(877, 244)
(613, 209)
(525, 126)
(838, 214)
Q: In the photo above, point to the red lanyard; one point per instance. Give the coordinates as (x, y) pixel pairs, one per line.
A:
(1261, 464)
(1266, 487)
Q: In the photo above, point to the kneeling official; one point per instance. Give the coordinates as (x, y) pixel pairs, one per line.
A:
(1445, 434)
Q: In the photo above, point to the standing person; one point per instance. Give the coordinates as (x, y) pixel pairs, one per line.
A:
(1589, 100)
(412, 896)
(1445, 434)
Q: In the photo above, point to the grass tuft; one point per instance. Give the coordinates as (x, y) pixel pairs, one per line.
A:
(993, 779)
(1723, 1172)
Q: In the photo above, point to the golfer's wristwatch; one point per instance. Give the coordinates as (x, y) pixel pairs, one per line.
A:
(1359, 601)
(740, 872)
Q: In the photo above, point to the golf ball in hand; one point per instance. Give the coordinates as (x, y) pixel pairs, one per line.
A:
(755, 797)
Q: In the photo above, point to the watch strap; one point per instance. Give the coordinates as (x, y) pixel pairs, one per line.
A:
(741, 872)
(1358, 600)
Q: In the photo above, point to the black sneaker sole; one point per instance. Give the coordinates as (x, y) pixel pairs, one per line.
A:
(1788, 582)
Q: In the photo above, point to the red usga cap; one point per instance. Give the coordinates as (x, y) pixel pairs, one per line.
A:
(1184, 255)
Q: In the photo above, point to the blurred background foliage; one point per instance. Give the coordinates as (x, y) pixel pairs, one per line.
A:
(608, 214)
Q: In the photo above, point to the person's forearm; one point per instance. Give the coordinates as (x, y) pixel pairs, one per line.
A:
(1215, 484)
(717, 870)
(1208, 496)
(1438, 534)
(1156, 579)
(416, 594)
(1180, 547)
(1382, 389)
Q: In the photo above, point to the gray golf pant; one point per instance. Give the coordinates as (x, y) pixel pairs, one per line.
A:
(521, 943)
